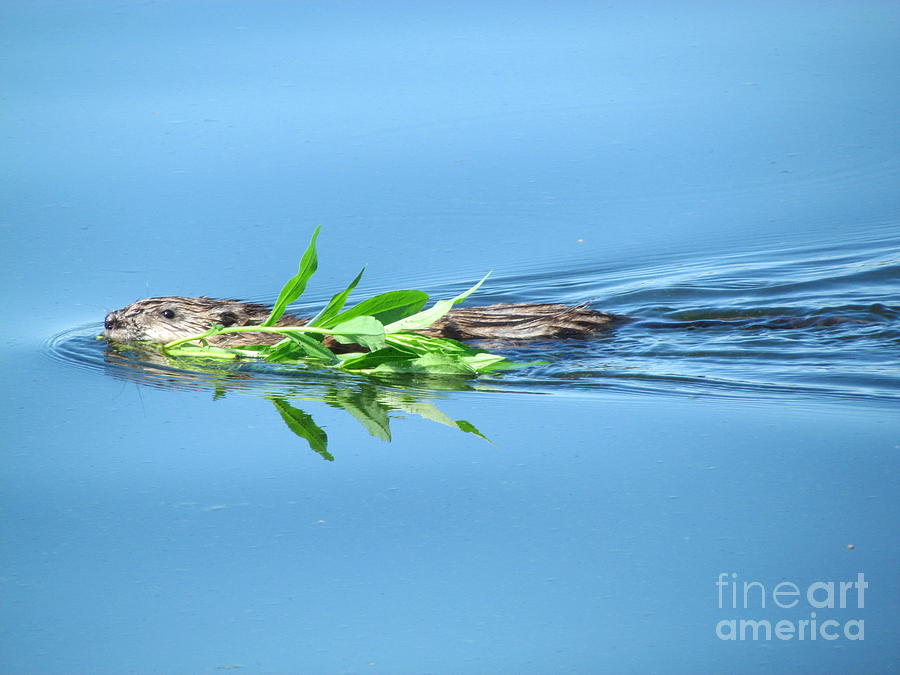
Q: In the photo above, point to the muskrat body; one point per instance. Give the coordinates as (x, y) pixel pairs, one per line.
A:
(162, 320)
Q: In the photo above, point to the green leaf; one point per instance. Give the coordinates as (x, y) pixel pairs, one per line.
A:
(363, 330)
(294, 288)
(304, 426)
(428, 410)
(412, 353)
(336, 304)
(430, 364)
(470, 428)
(484, 362)
(487, 363)
(423, 344)
(386, 307)
(429, 316)
(298, 346)
(210, 352)
(414, 406)
(373, 359)
(365, 407)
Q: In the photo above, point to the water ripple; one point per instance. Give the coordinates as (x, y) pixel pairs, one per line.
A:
(809, 322)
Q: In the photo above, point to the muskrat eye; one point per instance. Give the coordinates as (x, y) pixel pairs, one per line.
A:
(168, 313)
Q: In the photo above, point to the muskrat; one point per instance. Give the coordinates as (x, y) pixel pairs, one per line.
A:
(161, 320)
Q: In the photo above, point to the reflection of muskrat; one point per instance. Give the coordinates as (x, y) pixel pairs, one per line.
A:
(162, 320)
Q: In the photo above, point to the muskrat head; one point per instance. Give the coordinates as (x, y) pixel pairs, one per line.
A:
(162, 320)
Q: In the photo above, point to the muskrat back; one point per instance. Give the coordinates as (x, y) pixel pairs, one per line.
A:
(164, 319)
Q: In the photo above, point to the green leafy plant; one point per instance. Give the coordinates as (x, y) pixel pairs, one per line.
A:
(380, 330)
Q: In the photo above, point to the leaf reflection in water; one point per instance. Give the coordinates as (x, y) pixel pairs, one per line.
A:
(368, 400)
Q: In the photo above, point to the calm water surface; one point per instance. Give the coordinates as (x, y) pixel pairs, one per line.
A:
(725, 175)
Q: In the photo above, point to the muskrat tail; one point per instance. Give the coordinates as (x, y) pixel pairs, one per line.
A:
(522, 321)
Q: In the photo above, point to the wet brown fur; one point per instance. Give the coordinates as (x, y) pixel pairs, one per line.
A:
(164, 319)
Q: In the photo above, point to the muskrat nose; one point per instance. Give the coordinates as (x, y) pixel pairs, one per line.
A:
(110, 321)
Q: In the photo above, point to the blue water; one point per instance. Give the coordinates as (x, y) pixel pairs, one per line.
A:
(724, 174)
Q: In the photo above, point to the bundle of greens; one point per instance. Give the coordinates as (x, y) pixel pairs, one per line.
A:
(382, 326)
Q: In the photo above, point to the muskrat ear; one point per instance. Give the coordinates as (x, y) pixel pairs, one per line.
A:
(227, 318)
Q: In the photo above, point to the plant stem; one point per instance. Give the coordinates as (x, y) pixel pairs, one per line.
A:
(247, 329)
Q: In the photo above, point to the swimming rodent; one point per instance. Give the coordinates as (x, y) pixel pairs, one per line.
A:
(162, 320)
